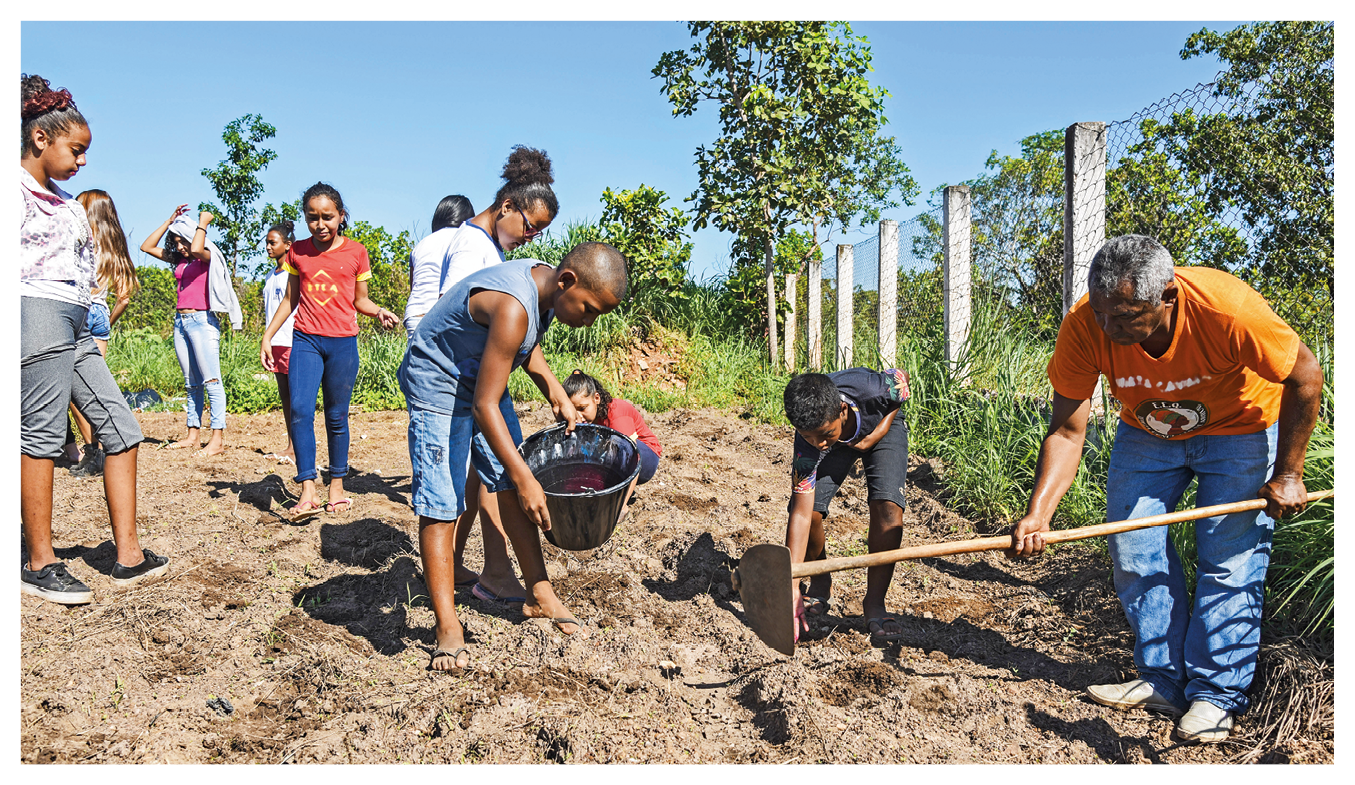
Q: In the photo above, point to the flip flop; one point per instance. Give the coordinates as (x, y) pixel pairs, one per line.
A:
(332, 506)
(876, 629)
(815, 606)
(298, 516)
(560, 621)
(455, 655)
(481, 593)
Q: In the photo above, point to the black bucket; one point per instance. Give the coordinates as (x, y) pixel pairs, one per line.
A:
(585, 476)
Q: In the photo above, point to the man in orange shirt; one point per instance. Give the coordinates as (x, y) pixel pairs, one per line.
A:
(1214, 387)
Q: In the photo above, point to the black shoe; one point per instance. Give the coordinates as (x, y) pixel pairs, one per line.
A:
(92, 465)
(150, 567)
(54, 584)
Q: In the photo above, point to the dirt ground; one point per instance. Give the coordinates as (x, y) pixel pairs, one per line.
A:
(317, 635)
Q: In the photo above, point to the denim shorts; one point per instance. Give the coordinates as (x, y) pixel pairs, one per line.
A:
(443, 448)
(98, 321)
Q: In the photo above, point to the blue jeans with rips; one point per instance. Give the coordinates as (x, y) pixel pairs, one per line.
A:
(1205, 650)
(197, 340)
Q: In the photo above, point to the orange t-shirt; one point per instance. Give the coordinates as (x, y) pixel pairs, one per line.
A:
(1220, 375)
(327, 283)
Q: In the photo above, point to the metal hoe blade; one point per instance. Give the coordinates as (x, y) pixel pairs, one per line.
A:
(763, 583)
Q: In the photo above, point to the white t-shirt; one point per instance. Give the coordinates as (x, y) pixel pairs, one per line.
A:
(442, 259)
(274, 295)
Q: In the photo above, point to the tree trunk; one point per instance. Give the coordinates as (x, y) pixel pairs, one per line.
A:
(771, 304)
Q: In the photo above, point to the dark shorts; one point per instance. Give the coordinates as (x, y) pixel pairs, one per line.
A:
(885, 466)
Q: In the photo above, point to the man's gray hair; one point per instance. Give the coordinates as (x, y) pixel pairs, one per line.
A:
(1136, 258)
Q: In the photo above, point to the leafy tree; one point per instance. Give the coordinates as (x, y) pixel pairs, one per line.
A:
(389, 257)
(652, 237)
(1271, 151)
(800, 140)
(271, 216)
(237, 189)
(745, 292)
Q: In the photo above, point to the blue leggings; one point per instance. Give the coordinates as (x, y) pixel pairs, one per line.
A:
(320, 362)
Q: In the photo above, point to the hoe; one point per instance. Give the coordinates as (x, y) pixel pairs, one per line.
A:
(764, 576)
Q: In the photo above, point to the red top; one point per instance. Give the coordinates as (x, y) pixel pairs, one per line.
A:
(624, 417)
(191, 276)
(327, 283)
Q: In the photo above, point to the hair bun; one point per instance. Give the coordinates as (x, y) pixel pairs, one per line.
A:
(37, 97)
(527, 166)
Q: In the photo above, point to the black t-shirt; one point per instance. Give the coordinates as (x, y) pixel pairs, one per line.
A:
(872, 395)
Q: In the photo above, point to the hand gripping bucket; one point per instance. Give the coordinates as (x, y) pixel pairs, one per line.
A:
(585, 476)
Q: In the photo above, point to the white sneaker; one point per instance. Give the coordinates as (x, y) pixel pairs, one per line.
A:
(1136, 694)
(1205, 723)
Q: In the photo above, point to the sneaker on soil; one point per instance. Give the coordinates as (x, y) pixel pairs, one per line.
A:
(1136, 694)
(150, 567)
(91, 465)
(54, 584)
(1205, 723)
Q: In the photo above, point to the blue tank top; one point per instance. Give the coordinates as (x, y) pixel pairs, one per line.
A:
(442, 360)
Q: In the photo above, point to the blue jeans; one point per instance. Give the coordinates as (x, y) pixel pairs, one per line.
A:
(321, 362)
(649, 463)
(197, 337)
(443, 448)
(1208, 651)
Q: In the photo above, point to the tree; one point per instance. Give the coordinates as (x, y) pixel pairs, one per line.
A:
(237, 189)
(1271, 151)
(389, 257)
(800, 139)
(652, 237)
(744, 288)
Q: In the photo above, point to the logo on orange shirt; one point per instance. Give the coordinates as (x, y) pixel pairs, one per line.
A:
(320, 291)
(1169, 419)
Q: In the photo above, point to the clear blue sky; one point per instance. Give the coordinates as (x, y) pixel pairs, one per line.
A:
(397, 115)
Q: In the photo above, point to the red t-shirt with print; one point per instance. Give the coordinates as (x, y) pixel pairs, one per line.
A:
(624, 417)
(327, 283)
(1221, 374)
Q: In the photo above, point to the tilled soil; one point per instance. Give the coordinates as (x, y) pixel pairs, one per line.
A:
(274, 643)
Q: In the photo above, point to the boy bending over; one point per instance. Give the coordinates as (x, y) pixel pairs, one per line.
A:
(839, 418)
(455, 379)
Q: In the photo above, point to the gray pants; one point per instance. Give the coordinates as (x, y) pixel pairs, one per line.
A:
(60, 364)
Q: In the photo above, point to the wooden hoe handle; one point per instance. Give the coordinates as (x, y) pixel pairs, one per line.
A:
(1004, 542)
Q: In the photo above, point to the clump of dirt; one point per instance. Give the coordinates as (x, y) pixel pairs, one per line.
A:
(319, 634)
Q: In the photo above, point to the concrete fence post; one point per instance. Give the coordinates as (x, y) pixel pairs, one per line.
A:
(956, 283)
(889, 292)
(791, 318)
(814, 318)
(845, 291)
(1084, 205)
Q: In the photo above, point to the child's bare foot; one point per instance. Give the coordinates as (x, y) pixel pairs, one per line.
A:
(182, 443)
(502, 586)
(543, 604)
(466, 576)
(451, 653)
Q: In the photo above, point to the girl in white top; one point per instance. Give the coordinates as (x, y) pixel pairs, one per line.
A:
(428, 262)
(521, 210)
(280, 238)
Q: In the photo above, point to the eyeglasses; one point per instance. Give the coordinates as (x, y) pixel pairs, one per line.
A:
(529, 231)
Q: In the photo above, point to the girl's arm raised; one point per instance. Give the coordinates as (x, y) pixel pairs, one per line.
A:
(152, 244)
(366, 307)
(507, 322)
(199, 247)
(537, 368)
(284, 310)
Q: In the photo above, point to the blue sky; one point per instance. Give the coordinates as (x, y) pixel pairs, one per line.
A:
(397, 115)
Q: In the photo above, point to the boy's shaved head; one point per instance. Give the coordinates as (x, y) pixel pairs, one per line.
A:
(600, 268)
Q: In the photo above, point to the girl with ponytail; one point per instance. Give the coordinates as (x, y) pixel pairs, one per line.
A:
(58, 360)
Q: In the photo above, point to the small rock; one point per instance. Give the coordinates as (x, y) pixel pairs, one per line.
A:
(220, 706)
(669, 669)
(928, 615)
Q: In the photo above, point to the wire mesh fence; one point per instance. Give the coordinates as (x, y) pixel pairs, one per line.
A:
(1158, 172)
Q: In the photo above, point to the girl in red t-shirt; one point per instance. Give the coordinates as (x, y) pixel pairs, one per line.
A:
(596, 405)
(327, 288)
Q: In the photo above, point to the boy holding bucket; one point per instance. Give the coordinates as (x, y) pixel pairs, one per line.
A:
(455, 378)
(838, 418)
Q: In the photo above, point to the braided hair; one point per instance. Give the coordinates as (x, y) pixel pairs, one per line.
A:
(41, 108)
(580, 382)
